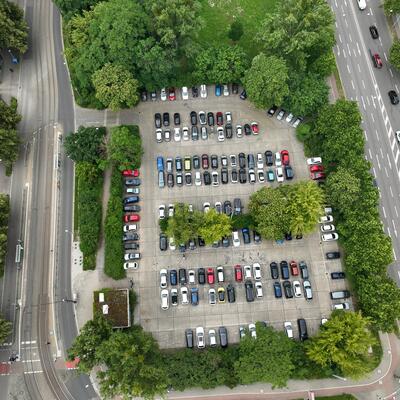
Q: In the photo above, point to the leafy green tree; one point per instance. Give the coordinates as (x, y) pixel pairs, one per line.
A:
(125, 147)
(10, 142)
(89, 340)
(9, 117)
(324, 65)
(235, 31)
(115, 87)
(304, 207)
(270, 345)
(214, 226)
(13, 28)
(221, 64)
(87, 144)
(343, 341)
(394, 54)
(183, 226)
(268, 209)
(298, 31)
(266, 81)
(391, 7)
(5, 329)
(133, 365)
(4, 215)
(70, 7)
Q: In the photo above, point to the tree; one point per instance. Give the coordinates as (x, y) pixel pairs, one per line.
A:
(214, 226)
(89, 340)
(268, 209)
(125, 147)
(235, 31)
(343, 341)
(10, 142)
(9, 117)
(115, 87)
(13, 28)
(70, 7)
(305, 202)
(270, 345)
(5, 329)
(87, 144)
(394, 54)
(183, 226)
(266, 81)
(4, 215)
(391, 7)
(298, 31)
(133, 365)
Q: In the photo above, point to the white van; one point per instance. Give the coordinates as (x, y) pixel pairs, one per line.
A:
(362, 5)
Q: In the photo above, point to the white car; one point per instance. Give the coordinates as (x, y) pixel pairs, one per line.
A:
(131, 265)
(247, 272)
(163, 94)
(324, 321)
(314, 161)
(134, 190)
(235, 239)
(202, 118)
(341, 306)
(131, 256)
(327, 228)
(220, 274)
(215, 178)
(159, 135)
(218, 207)
(297, 121)
(398, 136)
(128, 228)
(185, 93)
(212, 297)
(164, 299)
(278, 159)
(279, 175)
(239, 131)
(185, 133)
(259, 290)
(226, 90)
(203, 91)
(260, 161)
(288, 329)
(307, 290)
(252, 176)
(172, 245)
(280, 115)
(362, 5)
(192, 277)
(161, 211)
(228, 117)
(163, 278)
(177, 134)
(206, 207)
(252, 331)
(167, 135)
(329, 237)
(221, 134)
(289, 118)
(200, 337)
(257, 271)
(171, 210)
(212, 337)
(325, 219)
(297, 289)
(184, 295)
(261, 176)
(197, 178)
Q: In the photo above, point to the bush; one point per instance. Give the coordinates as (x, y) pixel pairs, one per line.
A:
(4, 214)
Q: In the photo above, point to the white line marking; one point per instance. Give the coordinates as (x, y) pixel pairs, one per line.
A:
(358, 48)
(384, 55)
(395, 210)
(395, 257)
(374, 172)
(386, 172)
(381, 151)
(363, 102)
(352, 84)
(370, 154)
(351, 40)
(384, 212)
(397, 88)
(391, 191)
(396, 157)
(359, 69)
(389, 233)
(29, 342)
(377, 160)
(366, 137)
(33, 372)
(348, 68)
(340, 38)
(28, 361)
(391, 73)
(363, 83)
(390, 164)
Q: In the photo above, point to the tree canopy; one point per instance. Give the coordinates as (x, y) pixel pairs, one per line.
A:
(70, 7)
(5, 329)
(214, 226)
(394, 54)
(391, 7)
(183, 226)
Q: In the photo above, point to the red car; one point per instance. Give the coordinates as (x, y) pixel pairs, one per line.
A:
(131, 218)
(317, 176)
(131, 172)
(285, 157)
(238, 273)
(377, 61)
(220, 118)
(254, 128)
(210, 276)
(316, 168)
(171, 94)
(294, 268)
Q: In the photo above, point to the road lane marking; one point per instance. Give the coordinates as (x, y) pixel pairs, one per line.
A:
(389, 233)
(377, 160)
(373, 102)
(395, 257)
(388, 158)
(363, 83)
(391, 191)
(359, 69)
(338, 51)
(384, 212)
(392, 144)
(373, 171)
(336, 3)
(348, 69)
(363, 102)
(28, 361)
(345, 21)
(33, 372)
(386, 172)
(368, 101)
(29, 342)
(394, 228)
(396, 157)
(358, 48)
(384, 55)
(381, 151)
(376, 134)
(397, 88)
(352, 84)
(348, 48)
(372, 116)
(391, 73)
(340, 38)
(395, 210)
(351, 40)
(366, 137)
(355, 54)
(344, 52)
(370, 154)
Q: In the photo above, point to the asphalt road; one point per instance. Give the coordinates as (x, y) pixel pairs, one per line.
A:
(369, 86)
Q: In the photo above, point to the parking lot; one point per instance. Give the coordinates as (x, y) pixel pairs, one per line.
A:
(168, 326)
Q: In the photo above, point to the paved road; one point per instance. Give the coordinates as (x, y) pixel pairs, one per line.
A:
(369, 86)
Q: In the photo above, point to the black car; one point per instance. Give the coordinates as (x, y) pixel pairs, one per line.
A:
(157, 120)
(174, 298)
(338, 275)
(153, 95)
(132, 182)
(170, 180)
(246, 235)
(210, 119)
(394, 98)
(165, 118)
(182, 276)
(284, 270)
(195, 132)
(332, 255)
(247, 129)
(131, 246)
(225, 241)
(235, 88)
(237, 206)
(177, 119)
(374, 32)
(193, 117)
(188, 178)
(287, 288)
(201, 275)
(234, 175)
(223, 336)
(182, 247)
(242, 175)
(303, 270)
(143, 95)
(178, 164)
(207, 178)
(189, 338)
(250, 161)
(289, 172)
(242, 160)
(214, 161)
(201, 242)
(274, 270)
(196, 162)
(224, 176)
(271, 112)
(269, 158)
(228, 207)
(130, 236)
(257, 237)
(173, 277)
(195, 91)
(288, 236)
(249, 288)
(133, 208)
(228, 131)
(163, 242)
(243, 95)
(230, 291)
(301, 323)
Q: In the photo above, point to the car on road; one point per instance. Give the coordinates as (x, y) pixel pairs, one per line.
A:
(297, 122)
(270, 175)
(203, 91)
(242, 175)
(171, 94)
(252, 331)
(325, 219)
(189, 338)
(362, 5)
(157, 120)
(303, 269)
(280, 114)
(289, 174)
(285, 157)
(327, 228)
(128, 228)
(163, 242)
(174, 297)
(185, 133)
(279, 175)
(393, 96)
(246, 235)
(377, 61)
(202, 118)
(218, 90)
(192, 277)
(317, 176)
(294, 269)
(374, 32)
(226, 90)
(239, 131)
(271, 112)
(247, 272)
(212, 297)
(220, 274)
(215, 178)
(228, 131)
(247, 129)
(269, 158)
(184, 295)
(220, 118)
(329, 237)
(223, 336)
(163, 278)
(289, 118)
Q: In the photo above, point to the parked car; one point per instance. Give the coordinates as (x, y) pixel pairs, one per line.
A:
(164, 299)
(303, 270)
(338, 275)
(257, 271)
(201, 276)
(329, 237)
(284, 270)
(332, 255)
(277, 290)
(173, 277)
(163, 242)
(307, 290)
(271, 112)
(230, 292)
(201, 343)
(259, 289)
(193, 117)
(287, 288)
(274, 270)
(288, 329)
(157, 120)
(297, 289)
(185, 93)
(210, 276)
(223, 336)
(194, 296)
(238, 273)
(235, 239)
(249, 289)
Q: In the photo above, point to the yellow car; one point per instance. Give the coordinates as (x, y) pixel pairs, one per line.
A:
(221, 295)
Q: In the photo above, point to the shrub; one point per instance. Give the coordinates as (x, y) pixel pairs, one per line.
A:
(4, 214)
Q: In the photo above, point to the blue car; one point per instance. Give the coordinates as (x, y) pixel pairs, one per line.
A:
(246, 235)
(194, 296)
(218, 90)
(160, 164)
(173, 277)
(277, 290)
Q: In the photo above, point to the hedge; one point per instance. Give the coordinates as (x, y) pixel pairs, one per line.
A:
(4, 214)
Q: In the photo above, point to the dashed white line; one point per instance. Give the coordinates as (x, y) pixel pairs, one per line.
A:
(389, 163)
(377, 135)
(373, 102)
(380, 149)
(340, 38)
(348, 68)
(372, 116)
(394, 228)
(395, 257)
(366, 137)
(352, 84)
(389, 233)
(28, 361)
(370, 10)
(363, 102)
(384, 212)
(358, 48)
(368, 101)
(359, 69)
(351, 40)
(386, 172)
(391, 191)
(396, 157)
(391, 73)
(397, 88)
(384, 55)
(345, 21)
(363, 83)
(33, 372)
(370, 154)
(374, 172)
(395, 210)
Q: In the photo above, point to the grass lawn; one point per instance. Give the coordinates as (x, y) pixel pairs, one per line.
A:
(219, 14)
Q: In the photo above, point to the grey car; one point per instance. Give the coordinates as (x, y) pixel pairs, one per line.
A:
(161, 179)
